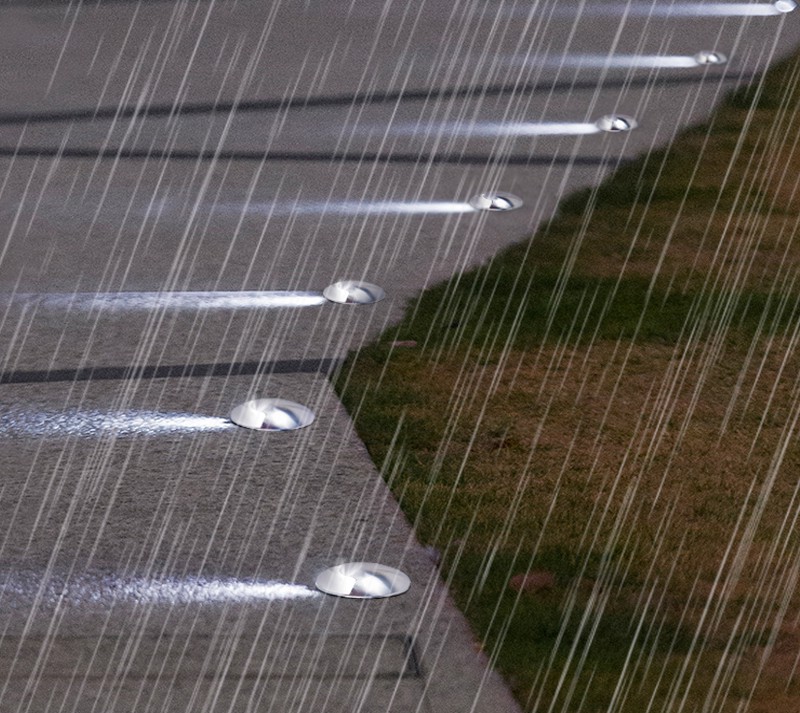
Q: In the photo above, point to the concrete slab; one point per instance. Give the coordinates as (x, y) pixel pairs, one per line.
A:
(169, 570)
(109, 52)
(153, 557)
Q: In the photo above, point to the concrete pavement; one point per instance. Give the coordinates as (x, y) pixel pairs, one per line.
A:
(169, 566)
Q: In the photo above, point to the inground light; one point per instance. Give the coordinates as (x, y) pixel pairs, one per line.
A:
(710, 57)
(353, 292)
(615, 123)
(496, 201)
(362, 580)
(784, 5)
(271, 415)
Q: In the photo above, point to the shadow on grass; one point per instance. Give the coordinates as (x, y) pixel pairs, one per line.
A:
(490, 306)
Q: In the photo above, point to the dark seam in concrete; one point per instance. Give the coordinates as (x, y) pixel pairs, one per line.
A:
(157, 677)
(411, 669)
(171, 110)
(122, 373)
(413, 664)
(92, 4)
(118, 153)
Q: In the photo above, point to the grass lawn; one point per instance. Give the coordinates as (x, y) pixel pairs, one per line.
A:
(598, 429)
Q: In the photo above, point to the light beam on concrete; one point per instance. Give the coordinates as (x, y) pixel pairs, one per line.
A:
(105, 590)
(172, 300)
(93, 423)
(496, 128)
(206, 590)
(611, 122)
(625, 61)
(344, 208)
(687, 9)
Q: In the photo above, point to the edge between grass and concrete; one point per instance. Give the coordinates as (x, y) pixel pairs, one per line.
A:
(594, 429)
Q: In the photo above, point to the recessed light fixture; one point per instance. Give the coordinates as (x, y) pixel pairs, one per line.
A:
(271, 415)
(615, 123)
(710, 57)
(353, 292)
(362, 580)
(496, 202)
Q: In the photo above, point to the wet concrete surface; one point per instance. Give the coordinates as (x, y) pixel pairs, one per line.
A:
(172, 561)
(153, 556)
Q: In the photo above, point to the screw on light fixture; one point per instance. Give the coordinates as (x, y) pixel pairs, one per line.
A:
(362, 580)
(271, 415)
(710, 57)
(496, 202)
(353, 292)
(615, 123)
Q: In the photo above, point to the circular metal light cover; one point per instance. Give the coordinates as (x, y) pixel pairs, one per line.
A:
(271, 415)
(352, 292)
(710, 57)
(615, 123)
(496, 201)
(784, 5)
(362, 580)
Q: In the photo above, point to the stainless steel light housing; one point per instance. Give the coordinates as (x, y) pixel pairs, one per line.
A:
(353, 292)
(271, 415)
(710, 57)
(362, 580)
(496, 201)
(615, 123)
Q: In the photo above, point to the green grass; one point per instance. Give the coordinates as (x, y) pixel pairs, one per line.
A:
(634, 360)
(491, 304)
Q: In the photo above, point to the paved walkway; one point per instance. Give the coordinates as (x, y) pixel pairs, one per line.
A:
(154, 557)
